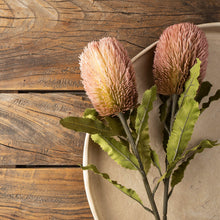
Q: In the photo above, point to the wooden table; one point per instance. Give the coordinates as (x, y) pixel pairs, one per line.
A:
(40, 41)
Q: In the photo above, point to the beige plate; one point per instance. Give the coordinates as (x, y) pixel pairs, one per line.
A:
(197, 197)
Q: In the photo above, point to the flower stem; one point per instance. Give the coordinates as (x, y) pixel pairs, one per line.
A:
(167, 180)
(173, 111)
(141, 170)
(165, 197)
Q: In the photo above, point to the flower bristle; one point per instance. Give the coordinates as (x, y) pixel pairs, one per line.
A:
(176, 52)
(108, 76)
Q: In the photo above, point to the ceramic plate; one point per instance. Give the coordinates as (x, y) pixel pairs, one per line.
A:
(197, 196)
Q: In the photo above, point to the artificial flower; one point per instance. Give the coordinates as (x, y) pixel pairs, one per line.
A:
(108, 76)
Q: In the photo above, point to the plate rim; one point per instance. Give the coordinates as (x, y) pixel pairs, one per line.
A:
(87, 137)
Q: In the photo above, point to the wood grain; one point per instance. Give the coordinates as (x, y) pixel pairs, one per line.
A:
(43, 194)
(30, 132)
(42, 39)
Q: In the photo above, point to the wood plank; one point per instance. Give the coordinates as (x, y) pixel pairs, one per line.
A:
(55, 193)
(30, 132)
(42, 39)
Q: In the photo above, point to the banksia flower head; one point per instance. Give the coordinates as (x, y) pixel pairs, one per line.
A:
(176, 52)
(108, 77)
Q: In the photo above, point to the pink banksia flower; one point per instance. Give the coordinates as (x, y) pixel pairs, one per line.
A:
(176, 52)
(108, 76)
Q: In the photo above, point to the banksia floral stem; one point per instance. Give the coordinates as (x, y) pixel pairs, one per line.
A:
(174, 99)
(165, 197)
(141, 170)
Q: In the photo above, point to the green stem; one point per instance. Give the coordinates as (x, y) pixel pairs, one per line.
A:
(173, 111)
(141, 170)
(165, 197)
(167, 180)
(170, 193)
(155, 188)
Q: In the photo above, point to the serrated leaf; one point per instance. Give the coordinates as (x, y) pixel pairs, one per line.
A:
(91, 124)
(172, 166)
(141, 127)
(112, 122)
(182, 130)
(155, 160)
(191, 85)
(129, 192)
(204, 90)
(118, 152)
(188, 153)
(179, 172)
(211, 99)
(86, 125)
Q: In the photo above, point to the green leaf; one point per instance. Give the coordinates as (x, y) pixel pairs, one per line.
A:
(118, 152)
(163, 107)
(191, 85)
(169, 170)
(211, 99)
(133, 116)
(204, 90)
(198, 149)
(165, 114)
(124, 142)
(129, 192)
(90, 113)
(91, 124)
(182, 130)
(185, 120)
(111, 122)
(179, 172)
(155, 160)
(115, 125)
(186, 116)
(165, 139)
(86, 125)
(141, 126)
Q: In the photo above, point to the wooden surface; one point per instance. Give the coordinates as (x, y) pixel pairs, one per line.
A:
(40, 41)
(55, 193)
(30, 129)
